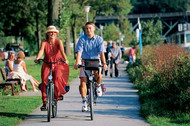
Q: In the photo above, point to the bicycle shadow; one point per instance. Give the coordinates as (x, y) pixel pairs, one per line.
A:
(24, 116)
(10, 114)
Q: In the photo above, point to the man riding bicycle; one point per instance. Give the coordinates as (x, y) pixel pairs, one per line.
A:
(89, 46)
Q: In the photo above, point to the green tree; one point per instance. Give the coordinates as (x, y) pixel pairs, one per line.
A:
(157, 6)
(129, 35)
(70, 18)
(111, 32)
(19, 19)
(110, 7)
(151, 33)
(28, 18)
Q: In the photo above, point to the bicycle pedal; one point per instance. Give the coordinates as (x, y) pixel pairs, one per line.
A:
(61, 97)
(43, 109)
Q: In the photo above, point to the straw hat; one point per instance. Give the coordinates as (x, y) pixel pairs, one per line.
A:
(52, 29)
(20, 54)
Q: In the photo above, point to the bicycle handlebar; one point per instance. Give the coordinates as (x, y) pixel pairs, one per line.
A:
(79, 66)
(51, 62)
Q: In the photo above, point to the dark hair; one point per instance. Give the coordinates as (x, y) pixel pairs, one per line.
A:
(90, 22)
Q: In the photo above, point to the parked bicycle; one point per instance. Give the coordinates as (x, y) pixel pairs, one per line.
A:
(91, 86)
(51, 102)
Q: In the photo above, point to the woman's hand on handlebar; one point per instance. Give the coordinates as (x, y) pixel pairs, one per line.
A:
(36, 61)
(66, 61)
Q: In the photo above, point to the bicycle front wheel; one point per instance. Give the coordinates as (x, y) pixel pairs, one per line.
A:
(49, 94)
(91, 101)
(54, 109)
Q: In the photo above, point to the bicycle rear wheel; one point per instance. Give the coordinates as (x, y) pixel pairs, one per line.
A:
(91, 101)
(49, 100)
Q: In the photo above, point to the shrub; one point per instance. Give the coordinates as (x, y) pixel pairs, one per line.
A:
(162, 76)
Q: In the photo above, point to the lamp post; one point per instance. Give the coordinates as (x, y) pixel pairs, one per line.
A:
(87, 9)
(101, 29)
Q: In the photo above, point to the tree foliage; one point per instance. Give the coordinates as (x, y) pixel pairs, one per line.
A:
(129, 35)
(19, 17)
(111, 32)
(151, 33)
(157, 6)
(110, 7)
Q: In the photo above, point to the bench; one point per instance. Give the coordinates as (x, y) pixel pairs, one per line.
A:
(9, 82)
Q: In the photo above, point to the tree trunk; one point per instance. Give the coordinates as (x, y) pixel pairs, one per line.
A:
(38, 31)
(54, 7)
(74, 39)
(68, 40)
(50, 12)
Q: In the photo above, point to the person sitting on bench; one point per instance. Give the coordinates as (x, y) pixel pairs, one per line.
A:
(9, 62)
(19, 69)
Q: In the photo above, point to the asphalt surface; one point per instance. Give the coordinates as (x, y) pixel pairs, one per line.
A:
(118, 107)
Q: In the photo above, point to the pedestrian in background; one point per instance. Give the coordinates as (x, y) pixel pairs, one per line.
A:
(106, 56)
(123, 49)
(115, 58)
(132, 54)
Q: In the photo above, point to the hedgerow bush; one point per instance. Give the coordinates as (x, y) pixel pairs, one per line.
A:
(162, 75)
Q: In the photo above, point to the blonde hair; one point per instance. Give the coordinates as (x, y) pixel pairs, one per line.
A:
(20, 54)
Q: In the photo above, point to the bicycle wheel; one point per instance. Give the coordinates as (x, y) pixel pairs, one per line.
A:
(49, 103)
(54, 110)
(91, 101)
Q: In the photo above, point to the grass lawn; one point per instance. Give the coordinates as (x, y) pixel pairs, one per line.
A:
(13, 109)
(164, 121)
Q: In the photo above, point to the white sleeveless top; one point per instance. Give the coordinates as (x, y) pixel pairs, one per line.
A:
(19, 69)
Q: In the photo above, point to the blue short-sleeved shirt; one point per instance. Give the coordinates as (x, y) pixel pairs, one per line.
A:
(90, 48)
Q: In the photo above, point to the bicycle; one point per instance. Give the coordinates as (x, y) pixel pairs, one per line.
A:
(91, 83)
(51, 102)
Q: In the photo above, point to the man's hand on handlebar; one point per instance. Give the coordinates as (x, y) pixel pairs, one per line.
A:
(76, 66)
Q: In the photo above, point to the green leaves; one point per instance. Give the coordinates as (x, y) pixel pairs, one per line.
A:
(151, 33)
(163, 77)
(156, 6)
(111, 32)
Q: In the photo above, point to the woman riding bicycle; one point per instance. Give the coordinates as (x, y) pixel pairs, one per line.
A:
(54, 50)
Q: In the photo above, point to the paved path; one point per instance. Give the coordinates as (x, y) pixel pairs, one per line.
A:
(119, 106)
